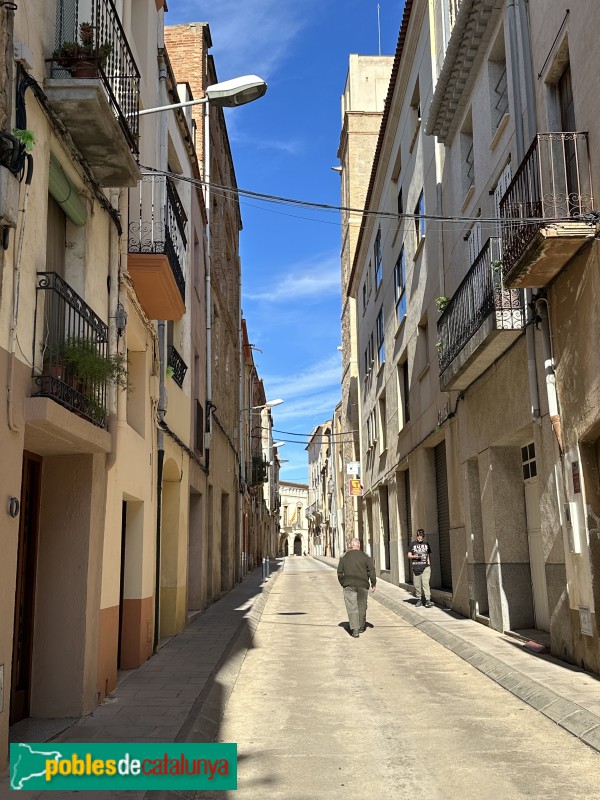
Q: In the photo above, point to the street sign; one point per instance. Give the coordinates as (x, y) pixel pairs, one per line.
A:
(355, 488)
(353, 468)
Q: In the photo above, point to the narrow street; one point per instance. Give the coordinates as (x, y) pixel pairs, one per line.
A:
(317, 714)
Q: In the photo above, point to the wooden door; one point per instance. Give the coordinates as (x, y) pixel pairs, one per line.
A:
(25, 588)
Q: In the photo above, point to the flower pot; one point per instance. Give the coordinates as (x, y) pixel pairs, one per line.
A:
(84, 69)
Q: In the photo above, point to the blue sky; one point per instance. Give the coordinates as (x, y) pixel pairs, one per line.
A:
(285, 144)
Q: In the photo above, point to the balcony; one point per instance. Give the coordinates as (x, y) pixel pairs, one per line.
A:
(177, 365)
(64, 323)
(480, 322)
(546, 209)
(157, 260)
(94, 88)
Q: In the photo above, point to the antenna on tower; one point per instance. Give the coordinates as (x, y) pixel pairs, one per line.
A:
(378, 29)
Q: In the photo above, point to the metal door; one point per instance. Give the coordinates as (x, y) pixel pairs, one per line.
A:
(441, 481)
(534, 539)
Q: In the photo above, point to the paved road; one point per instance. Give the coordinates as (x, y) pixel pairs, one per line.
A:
(317, 714)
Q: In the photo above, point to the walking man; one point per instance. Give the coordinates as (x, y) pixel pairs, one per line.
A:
(355, 571)
(419, 554)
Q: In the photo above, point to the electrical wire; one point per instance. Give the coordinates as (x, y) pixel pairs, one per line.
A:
(392, 215)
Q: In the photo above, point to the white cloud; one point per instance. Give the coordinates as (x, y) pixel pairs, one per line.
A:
(307, 385)
(292, 147)
(303, 281)
(253, 36)
(317, 407)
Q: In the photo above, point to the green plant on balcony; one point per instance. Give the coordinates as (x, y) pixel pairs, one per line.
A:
(441, 302)
(259, 470)
(89, 366)
(82, 57)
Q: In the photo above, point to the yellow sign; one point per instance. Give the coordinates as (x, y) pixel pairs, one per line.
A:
(355, 488)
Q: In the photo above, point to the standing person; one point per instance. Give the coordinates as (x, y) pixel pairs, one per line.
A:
(419, 554)
(355, 571)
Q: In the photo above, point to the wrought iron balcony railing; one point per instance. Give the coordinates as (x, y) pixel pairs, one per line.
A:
(177, 364)
(480, 294)
(64, 323)
(552, 184)
(157, 223)
(91, 43)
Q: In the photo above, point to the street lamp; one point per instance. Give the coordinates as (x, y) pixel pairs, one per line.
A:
(278, 444)
(227, 94)
(268, 404)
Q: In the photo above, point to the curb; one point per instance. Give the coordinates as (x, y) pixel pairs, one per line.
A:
(203, 721)
(568, 715)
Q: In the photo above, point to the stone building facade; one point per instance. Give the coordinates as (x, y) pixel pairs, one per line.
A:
(478, 387)
(361, 106)
(293, 524)
(188, 46)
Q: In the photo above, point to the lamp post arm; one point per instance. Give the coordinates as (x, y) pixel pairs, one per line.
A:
(170, 107)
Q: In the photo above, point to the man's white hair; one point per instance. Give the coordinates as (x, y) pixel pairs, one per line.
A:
(355, 542)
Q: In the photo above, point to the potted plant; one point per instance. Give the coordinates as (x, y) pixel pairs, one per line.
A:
(82, 57)
(91, 368)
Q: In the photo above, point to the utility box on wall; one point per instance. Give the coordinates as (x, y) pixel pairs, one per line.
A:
(9, 199)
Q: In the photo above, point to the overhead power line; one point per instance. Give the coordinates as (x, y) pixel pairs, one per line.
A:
(393, 215)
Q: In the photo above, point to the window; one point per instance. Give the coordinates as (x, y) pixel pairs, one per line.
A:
(400, 286)
(371, 429)
(415, 105)
(474, 242)
(499, 93)
(369, 355)
(400, 202)
(382, 423)
(567, 123)
(466, 154)
(528, 461)
(380, 338)
(364, 296)
(378, 260)
(499, 190)
(369, 279)
(403, 404)
(420, 218)
(285, 515)
(422, 346)
(498, 84)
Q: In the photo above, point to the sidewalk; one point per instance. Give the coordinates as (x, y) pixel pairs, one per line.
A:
(180, 694)
(566, 694)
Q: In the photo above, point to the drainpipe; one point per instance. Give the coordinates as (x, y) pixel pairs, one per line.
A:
(162, 404)
(18, 254)
(118, 200)
(515, 71)
(516, 77)
(207, 278)
(527, 70)
(242, 462)
(531, 362)
(541, 310)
